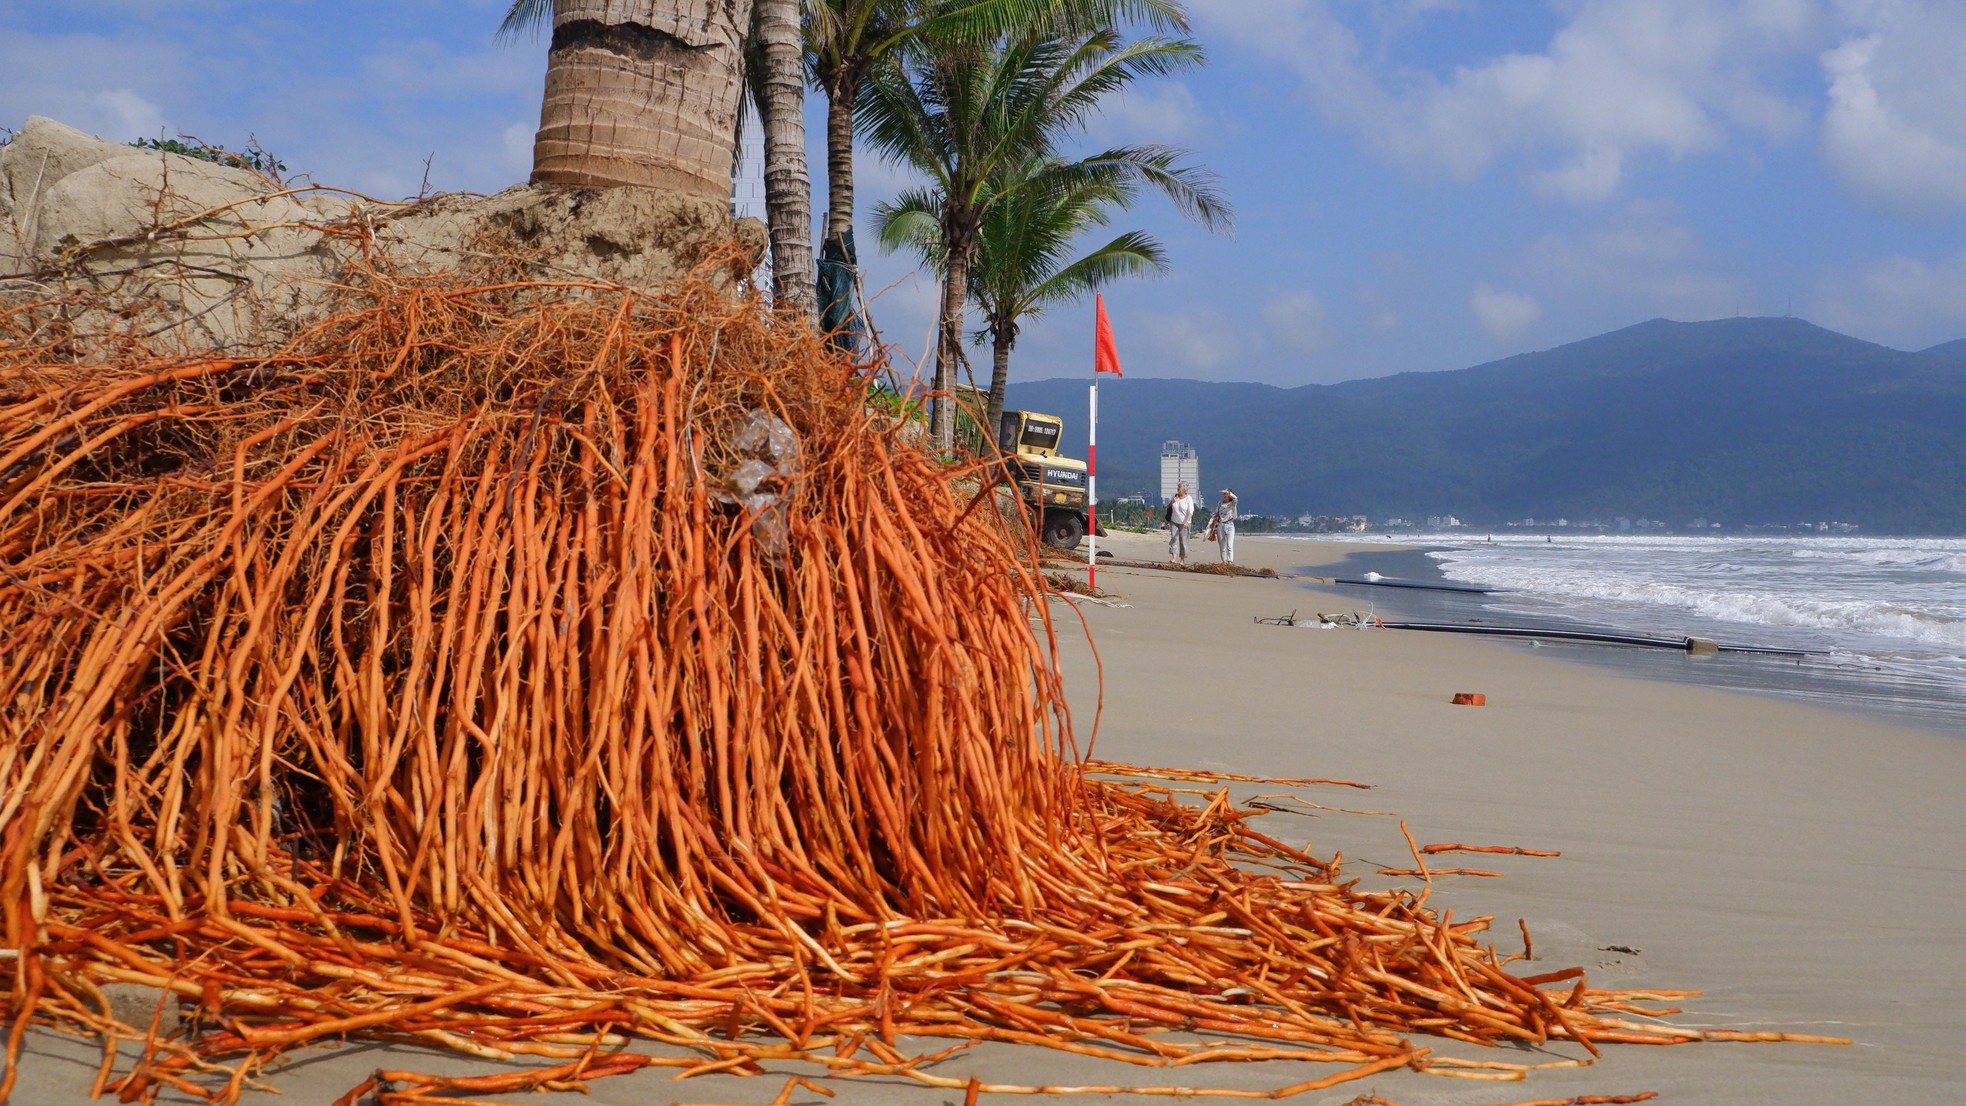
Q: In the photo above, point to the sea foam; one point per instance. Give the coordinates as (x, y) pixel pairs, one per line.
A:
(1905, 598)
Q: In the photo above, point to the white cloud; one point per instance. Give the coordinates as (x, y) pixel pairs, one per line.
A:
(1167, 114)
(1503, 315)
(131, 114)
(1894, 132)
(1900, 301)
(372, 120)
(1395, 285)
(1298, 323)
(1383, 322)
(1414, 7)
(904, 305)
(112, 87)
(349, 107)
(1198, 342)
(875, 179)
(516, 141)
(1643, 258)
(1620, 80)
(904, 297)
(1588, 177)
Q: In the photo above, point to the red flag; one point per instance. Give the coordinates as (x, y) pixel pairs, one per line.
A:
(1105, 355)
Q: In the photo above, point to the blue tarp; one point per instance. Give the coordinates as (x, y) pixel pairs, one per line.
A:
(839, 317)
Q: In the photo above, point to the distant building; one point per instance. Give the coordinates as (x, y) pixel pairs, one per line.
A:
(1179, 464)
(747, 186)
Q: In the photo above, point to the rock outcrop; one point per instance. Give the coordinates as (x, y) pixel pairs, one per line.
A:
(204, 255)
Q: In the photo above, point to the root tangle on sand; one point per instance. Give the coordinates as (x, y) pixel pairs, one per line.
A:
(520, 668)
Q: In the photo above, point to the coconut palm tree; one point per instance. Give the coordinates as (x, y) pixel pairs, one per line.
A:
(968, 112)
(643, 92)
(779, 90)
(1039, 210)
(847, 40)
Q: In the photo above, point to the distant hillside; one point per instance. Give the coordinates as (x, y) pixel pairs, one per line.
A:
(1951, 353)
(1738, 420)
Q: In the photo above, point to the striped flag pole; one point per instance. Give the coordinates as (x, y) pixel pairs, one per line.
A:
(1092, 490)
(1105, 359)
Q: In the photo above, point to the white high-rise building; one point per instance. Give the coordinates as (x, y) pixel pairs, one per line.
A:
(1179, 464)
(747, 185)
(747, 178)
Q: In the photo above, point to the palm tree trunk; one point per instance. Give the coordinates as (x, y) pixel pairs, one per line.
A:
(1003, 335)
(955, 287)
(788, 190)
(840, 95)
(642, 93)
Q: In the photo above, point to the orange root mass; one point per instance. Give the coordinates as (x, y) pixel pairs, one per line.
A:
(520, 668)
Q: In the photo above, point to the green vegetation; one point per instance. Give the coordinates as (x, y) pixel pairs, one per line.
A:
(983, 121)
(1113, 512)
(883, 398)
(849, 41)
(253, 157)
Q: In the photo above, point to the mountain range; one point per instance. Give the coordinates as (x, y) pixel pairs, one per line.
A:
(1741, 421)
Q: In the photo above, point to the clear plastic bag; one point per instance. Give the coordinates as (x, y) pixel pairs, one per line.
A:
(759, 482)
(766, 436)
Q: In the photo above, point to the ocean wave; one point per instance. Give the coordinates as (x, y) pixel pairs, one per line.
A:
(1936, 560)
(1940, 624)
(1946, 554)
(1730, 568)
(1890, 613)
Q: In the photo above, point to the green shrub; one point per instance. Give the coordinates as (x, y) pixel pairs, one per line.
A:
(254, 157)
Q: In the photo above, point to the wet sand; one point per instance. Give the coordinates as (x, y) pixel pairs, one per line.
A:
(1805, 868)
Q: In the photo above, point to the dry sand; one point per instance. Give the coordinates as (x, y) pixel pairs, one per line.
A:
(1807, 869)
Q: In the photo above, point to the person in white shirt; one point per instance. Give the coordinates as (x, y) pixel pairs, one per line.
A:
(1180, 514)
(1222, 526)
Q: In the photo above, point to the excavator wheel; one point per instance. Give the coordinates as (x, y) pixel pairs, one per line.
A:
(1063, 530)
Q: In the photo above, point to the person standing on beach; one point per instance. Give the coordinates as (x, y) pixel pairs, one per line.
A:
(1180, 514)
(1222, 526)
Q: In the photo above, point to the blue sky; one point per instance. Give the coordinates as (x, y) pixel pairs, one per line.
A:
(1419, 184)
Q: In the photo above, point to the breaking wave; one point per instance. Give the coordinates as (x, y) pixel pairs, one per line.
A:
(1896, 597)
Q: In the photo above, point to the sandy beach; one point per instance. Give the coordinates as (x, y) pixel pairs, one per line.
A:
(1805, 869)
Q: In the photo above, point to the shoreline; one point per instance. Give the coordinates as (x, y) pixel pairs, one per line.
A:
(1841, 686)
(1805, 868)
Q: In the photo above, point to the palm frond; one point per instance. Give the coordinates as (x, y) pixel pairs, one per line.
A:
(1195, 191)
(1133, 254)
(522, 18)
(911, 221)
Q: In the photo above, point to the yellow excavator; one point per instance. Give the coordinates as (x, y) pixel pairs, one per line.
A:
(1051, 487)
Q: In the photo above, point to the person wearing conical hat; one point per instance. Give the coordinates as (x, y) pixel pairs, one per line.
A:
(1222, 526)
